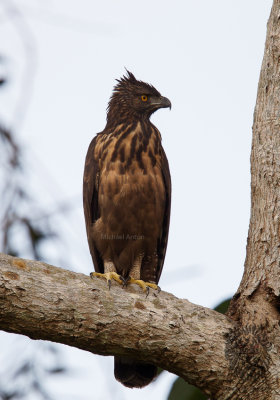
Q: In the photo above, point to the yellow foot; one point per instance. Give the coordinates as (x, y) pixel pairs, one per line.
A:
(108, 276)
(144, 285)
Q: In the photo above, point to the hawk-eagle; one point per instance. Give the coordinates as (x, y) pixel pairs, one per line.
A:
(127, 193)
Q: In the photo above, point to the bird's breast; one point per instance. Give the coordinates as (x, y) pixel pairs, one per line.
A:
(131, 169)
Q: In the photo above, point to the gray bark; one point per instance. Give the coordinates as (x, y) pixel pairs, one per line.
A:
(46, 302)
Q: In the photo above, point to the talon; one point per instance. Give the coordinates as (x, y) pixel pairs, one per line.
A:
(108, 276)
(124, 281)
(144, 285)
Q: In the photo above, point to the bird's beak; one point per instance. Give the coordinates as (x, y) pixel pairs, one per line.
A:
(165, 102)
(161, 102)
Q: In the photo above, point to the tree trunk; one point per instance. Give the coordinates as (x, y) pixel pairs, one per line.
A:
(228, 357)
(255, 342)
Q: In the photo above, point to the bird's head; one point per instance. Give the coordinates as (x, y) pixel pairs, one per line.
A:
(137, 98)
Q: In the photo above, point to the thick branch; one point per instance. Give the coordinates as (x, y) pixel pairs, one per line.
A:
(46, 302)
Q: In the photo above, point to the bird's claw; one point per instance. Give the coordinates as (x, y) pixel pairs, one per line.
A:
(124, 281)
(147, 291)
(108, 276)
(144, 285)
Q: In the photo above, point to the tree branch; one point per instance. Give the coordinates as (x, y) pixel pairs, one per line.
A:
(46, 302)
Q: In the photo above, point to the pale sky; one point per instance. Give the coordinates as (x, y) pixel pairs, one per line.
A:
(205, 57)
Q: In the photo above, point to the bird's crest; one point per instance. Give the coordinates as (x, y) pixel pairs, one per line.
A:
(130, 83)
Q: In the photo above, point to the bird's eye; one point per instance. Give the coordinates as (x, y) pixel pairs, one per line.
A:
(144, 97)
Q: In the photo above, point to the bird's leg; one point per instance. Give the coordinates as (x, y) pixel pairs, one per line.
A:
(109, 273)
(134, 277)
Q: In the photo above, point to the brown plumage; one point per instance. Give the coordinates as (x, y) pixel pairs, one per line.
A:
(127, 192)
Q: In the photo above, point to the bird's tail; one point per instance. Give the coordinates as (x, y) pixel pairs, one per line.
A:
(132, 373)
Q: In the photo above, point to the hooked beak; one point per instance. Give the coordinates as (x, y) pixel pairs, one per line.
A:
(161, 102)
(165, 102)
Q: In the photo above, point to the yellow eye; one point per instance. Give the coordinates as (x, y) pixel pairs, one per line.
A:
(144, 97)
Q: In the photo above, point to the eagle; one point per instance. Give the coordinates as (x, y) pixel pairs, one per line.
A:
(126, 196)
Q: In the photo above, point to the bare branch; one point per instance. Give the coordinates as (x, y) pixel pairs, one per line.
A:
(46, 302)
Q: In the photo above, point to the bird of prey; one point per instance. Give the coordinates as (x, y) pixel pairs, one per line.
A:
(127, 194)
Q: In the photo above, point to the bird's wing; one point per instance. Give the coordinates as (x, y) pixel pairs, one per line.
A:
(90, 200)
(162, 241)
